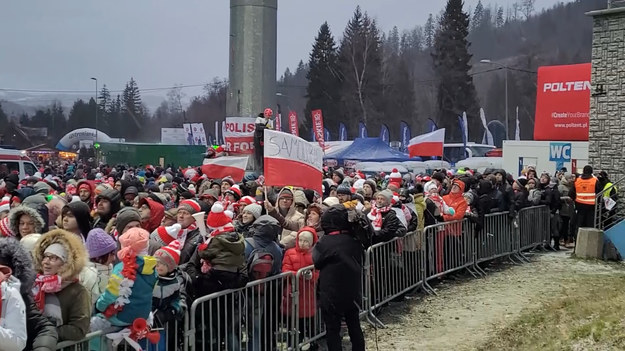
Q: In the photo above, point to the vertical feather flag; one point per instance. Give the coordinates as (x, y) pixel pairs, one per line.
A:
(362, 130)
(463, 128)
(517, 134)
(326, 134)
(431, 125)
(384, 133)
(405, 134)
(466, 127)
(342, 132)
(488, 136)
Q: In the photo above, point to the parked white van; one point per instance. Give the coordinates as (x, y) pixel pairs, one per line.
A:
(16, 160)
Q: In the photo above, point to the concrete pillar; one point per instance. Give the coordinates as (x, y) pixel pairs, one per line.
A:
(253, 46)
(589, 243)
(607, 104)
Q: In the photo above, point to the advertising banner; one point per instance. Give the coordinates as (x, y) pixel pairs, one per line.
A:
(239, 135)
(317, 124)
(563, 103)
(293, 125)
(173, 136)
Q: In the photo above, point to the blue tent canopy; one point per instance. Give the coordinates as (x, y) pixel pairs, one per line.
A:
(371, 150)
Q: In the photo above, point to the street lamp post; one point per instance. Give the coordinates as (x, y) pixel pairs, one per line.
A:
(96, 108)
(506, 82)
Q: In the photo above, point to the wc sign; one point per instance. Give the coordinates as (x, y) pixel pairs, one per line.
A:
(560, 153)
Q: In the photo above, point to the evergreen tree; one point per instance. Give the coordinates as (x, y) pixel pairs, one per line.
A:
(81, 116)
(59, 122)
(429, 31)
(323, 88)
(499, 20)
(456, 92)
(132, 110)
(4, 119)
(360, 60)
(477, 15)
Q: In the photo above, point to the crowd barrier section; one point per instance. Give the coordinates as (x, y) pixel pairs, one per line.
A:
(171, 338)
(281, 312)
(450, 248)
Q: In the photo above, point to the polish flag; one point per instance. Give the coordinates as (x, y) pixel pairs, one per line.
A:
(221, 167)
(291, 160)
(430, 144)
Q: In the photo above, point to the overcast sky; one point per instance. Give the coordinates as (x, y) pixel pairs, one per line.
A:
(59, 45)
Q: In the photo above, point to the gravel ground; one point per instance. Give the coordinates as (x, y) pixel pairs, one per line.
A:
(467, 311)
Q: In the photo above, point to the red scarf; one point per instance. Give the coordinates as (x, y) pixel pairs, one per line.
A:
(376, 216)
(46, 284)
(185, 231)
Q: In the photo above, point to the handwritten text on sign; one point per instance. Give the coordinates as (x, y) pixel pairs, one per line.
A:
(290, 147)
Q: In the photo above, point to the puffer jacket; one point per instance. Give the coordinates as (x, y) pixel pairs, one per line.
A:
(294, 260)
(224, 251)
(291, 223)
(42, 335)
(457, 202)
(568, 205)
(74, 299)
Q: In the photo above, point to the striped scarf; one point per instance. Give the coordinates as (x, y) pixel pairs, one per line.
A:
(376, 216)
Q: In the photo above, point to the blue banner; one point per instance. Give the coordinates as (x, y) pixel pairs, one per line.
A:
(362, 130)
(342, 132)
(404, 132)
(464, 134)
(431, 126)
(384, 134)
(326, 134)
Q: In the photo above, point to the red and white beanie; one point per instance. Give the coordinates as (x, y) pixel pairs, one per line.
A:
(169, 255)
(165, 235)
(247, 200)
(395, 176)
(190, 206)
(5, 204)
(5, 230)
(217, 220)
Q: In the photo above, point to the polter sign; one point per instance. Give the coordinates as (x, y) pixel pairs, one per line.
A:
(563, 103)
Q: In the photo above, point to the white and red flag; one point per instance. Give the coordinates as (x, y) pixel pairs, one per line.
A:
(221, 167)
(429, 144)
(291, 160)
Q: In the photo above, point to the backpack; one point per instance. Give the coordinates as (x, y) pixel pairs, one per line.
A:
(259, 264)
(360, 227)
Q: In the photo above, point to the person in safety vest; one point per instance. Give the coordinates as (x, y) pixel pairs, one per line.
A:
(608, 190)
(584, 194)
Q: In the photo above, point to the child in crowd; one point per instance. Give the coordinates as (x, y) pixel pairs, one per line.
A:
(295, 259)
(101, 248)
(13, 335)
(169, 298)
(128, 294)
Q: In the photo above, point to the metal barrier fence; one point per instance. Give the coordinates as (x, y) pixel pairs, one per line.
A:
(281, 312)
(172, 337)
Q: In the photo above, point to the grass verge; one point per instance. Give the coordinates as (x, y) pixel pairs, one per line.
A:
(587, 314)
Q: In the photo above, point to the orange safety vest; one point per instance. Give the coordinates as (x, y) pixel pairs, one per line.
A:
(585, 191)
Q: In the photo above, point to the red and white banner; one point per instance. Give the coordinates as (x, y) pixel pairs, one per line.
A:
(430, 144)
(279, 121)
(221, 167)
(317, 124)
(563, 102)
(291, 160)
(239, 135)
(293, 125)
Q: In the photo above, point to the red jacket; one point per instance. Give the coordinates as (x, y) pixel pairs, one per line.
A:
(294, 260)
(457, 202)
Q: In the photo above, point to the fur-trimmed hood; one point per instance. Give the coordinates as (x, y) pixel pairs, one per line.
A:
(76, 252)
(17, 212)
(13, 255)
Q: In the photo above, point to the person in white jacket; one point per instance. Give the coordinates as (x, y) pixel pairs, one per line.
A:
(13, 335)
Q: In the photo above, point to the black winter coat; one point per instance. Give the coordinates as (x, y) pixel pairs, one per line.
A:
(190, 245)
(391, 228)
(551, 198)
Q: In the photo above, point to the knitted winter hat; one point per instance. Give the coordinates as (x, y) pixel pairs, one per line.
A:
(331, 201)
(228, 180)
(387, 194)
(522, 182)
(99, 243)
(165, 235)
(254, 209)
(344, 189)
(5, 204)
(57, 250)
(5, 229)
(372, 184)
(234, 191)
(359, 183)
(394, 186)
(395, 176)
(125, 216)
(134, 241)
(217, 218)
(190, 206)
(247, 200)
(169, 255)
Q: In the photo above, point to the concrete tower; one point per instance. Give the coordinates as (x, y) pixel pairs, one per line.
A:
(252, 70)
